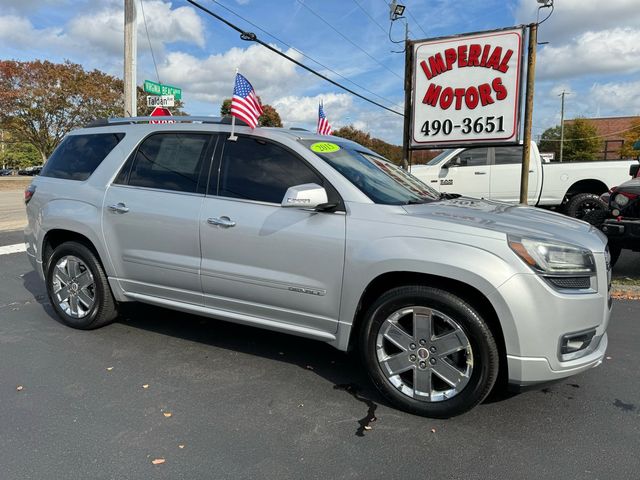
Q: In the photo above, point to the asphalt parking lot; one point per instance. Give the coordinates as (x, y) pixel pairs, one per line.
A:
(216, 400)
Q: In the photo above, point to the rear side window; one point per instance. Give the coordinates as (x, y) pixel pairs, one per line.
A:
(508, 155)
(257, 170)
(169, 161)
(78, 156)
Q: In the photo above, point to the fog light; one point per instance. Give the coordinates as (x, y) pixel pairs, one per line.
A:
(615, 212)
(575, 342)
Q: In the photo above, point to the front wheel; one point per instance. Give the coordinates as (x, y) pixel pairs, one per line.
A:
(78, 287)
(428, 351)
(582, 204)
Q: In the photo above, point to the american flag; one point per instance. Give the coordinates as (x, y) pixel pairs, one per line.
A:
(323, 125)
(245, 104)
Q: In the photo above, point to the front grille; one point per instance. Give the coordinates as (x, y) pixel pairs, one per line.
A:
(570, 282)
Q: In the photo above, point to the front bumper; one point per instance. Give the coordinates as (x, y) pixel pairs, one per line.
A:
(623, 232)
(526, 371)
(535, 318)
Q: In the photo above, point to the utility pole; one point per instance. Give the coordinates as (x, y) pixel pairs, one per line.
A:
(562, 122)
(408, 51)
(528, 113)
(130, 53)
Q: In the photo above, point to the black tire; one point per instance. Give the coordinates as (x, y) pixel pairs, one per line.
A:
(582, 203)
(483, 346)
(614, 251)
(104, 307)
(596, 217)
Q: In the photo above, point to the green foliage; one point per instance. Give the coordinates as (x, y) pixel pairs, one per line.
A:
(581, 141)
(41, 101)
(550, 141)
(269, 118)
(16, 154)
(390, 152)
(630, 138)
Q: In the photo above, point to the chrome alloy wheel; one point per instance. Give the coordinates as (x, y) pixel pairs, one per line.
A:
(73, 286)
(424, 353)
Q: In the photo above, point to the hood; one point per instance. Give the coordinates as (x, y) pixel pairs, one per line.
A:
(511, 219)
(631, 186)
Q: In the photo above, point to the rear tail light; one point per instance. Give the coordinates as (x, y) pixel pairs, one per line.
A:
(28, 193)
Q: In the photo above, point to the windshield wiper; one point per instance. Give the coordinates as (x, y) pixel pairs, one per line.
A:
(449, 196)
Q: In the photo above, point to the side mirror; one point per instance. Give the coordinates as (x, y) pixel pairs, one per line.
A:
(633, 170)
(309, 195)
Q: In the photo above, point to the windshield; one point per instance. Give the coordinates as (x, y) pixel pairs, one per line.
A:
(379, 179)
(436, 160)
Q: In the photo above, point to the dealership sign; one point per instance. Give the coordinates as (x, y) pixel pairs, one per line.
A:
(466, 89)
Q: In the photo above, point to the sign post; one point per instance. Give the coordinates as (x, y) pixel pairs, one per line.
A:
(528, 113)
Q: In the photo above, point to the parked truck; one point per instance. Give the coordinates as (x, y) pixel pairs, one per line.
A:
(494, 173)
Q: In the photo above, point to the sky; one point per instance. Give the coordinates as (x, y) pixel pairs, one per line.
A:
(593, 51)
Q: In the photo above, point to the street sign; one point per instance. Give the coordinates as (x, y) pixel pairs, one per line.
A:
(160, 101)
(160, 89)
(466, 89)
(161, 112)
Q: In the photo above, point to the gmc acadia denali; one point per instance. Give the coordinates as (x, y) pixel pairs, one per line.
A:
(319, 237)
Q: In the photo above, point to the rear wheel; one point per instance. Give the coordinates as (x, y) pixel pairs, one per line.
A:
(428, 351)
(78, 288)
(582, 203)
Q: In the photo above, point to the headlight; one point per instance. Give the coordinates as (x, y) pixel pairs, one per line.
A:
(552, 258)
(621, 200)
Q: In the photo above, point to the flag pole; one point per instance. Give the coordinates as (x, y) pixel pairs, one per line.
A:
(233, 137)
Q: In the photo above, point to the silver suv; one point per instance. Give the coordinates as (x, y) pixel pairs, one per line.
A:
(322, 238)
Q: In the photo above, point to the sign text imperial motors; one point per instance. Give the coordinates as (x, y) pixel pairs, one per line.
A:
(466, 89)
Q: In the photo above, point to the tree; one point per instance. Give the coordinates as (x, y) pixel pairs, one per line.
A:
(550, 141)
(630, 137)
(581, 141)
(16, 154)
(269, 118)
(387, 150)
(41, 101)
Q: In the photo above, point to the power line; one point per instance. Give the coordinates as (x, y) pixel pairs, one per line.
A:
(149, 40)
(416, 22)
(252, 37)
(368, 15)
(304, 54)
(597, 136)
(348, 39)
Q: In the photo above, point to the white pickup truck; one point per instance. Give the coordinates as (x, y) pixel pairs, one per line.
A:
(494, 173)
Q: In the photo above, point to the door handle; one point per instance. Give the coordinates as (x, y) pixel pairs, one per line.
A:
(118, 208)
(480, 173)
(224, 222)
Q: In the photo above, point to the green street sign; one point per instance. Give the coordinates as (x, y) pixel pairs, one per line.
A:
(160, 89)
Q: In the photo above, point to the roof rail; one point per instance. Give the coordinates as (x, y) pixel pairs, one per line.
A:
(104, 122)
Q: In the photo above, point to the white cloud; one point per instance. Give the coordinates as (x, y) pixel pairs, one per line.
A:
(619, 98)
(602, 52)
(96, 38)
(296, 109)
(212, 78)
(571, 17)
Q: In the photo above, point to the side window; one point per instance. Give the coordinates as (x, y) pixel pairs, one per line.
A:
(474, 157)
(169, 161)
(257, 170)
(79, 155)
(508, 155)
